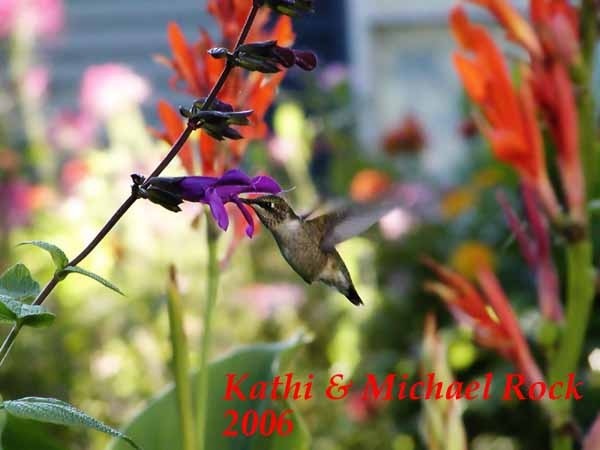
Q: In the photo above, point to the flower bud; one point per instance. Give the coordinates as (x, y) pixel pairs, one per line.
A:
(267, 57)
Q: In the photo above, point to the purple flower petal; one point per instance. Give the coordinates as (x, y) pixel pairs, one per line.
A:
(216, 192)
(244, 210)
(234, 176)
(217, 208)
(265, 184)
(193, 189)
(305, 60)
(285, 56)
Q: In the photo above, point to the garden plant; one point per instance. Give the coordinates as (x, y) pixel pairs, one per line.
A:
(509, 247)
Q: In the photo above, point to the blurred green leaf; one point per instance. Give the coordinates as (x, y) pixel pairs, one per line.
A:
(157, 427)
(183, 388)
(50, 410)
(93, 276)
(17, 284)
(22, 434)
(2, 424)
(30, 315)
(58, 256)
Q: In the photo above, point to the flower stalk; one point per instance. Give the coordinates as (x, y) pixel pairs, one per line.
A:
(212, 280)
(183, 386)
(579, 252)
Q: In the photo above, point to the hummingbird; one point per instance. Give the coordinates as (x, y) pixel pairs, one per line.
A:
(308, 244)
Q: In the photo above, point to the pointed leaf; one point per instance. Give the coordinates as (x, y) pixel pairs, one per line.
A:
(93, 276)
(22, 434)
(180, 363)
(24, 313)
(58, 256)
(17, 284)
(157, 427)
(50, 410)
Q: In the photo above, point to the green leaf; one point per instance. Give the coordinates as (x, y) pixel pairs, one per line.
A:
(58, 256)
(17, 284)
(157, 427)
(22, 434)
(180, 364)
(2, 424)
(26, 314)
(50, 410)
(93, 276)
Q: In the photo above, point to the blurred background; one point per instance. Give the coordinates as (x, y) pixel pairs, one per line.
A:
(79, 84)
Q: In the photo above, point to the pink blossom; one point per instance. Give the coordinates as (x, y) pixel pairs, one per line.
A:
(268, 299)
(70, 130)
(110, 88)
(360, 409)
(35, 82)
(42, 18)
(592, 438)
(282, 149)
(18, 199)
(396, 224)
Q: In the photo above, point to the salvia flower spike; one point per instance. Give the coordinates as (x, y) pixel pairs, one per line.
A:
(212, 191)
(288, 7)
(267, 57)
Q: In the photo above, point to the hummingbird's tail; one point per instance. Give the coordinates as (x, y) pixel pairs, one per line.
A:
(353, 296)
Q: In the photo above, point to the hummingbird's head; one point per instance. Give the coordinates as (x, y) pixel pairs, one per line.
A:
(271, 209)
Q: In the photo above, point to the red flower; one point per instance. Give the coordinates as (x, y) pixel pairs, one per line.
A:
(488, 313)
(196, 72)
(517, 28)
(553, 45)
(407, 137)
(554, 94)
(557, 24)
(510, 113)
(534, 243)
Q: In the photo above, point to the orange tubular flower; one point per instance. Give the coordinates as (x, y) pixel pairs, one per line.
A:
(488, 313)
(510, 113)
(517, 28)
(195, 72)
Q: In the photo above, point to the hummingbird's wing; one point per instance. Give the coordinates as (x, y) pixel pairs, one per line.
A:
(347, 222)
(355, 218)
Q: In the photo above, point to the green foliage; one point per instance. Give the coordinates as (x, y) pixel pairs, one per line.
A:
(26, 434)
(157, 427)
(179, 346)
(2, 424)
(16, 287)
(17, 284)
(58, 256)
(25, 314)
(50, 410)
(93, 276)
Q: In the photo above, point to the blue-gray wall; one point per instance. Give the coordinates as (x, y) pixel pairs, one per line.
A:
(132, 31)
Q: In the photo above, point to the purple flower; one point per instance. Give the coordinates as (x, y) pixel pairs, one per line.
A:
(213, 191)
